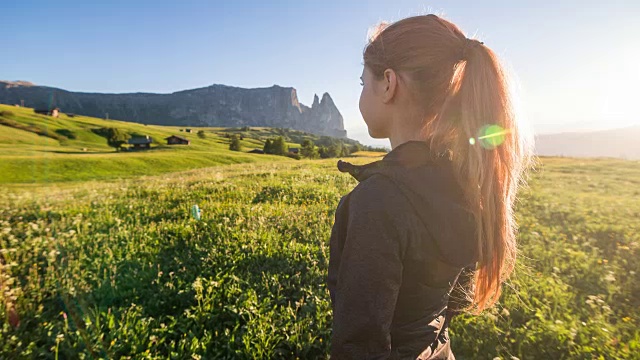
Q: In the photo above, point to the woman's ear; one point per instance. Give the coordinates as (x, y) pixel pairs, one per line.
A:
(390, 85)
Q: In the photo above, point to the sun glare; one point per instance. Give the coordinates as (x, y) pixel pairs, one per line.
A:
(620, 93)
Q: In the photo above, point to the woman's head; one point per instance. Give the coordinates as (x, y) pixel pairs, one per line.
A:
(457, 95)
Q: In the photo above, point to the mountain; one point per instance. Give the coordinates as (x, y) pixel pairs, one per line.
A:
(621, 143)
(215, 105)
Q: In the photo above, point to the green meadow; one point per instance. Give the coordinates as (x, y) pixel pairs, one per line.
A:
(27, 157)
(101, 257)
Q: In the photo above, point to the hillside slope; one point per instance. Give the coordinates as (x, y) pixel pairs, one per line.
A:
(38, 148)
(27, 157)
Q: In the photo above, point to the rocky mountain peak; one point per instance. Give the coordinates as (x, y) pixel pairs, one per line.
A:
(215, 105)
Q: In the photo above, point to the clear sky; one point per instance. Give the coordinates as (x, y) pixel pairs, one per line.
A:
(577, 62)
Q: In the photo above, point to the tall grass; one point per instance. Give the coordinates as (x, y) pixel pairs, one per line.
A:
(120, 269)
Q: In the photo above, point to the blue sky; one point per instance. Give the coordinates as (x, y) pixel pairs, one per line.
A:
(577, 62)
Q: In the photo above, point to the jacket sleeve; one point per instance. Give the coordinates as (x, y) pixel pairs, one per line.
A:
(370, 272)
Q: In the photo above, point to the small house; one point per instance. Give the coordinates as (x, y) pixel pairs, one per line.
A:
(177, 140)
(141, 142)
(256, 151)
(187, 130)
(50, 112)
(294, 150)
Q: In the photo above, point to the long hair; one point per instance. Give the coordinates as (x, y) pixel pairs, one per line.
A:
(465, 98)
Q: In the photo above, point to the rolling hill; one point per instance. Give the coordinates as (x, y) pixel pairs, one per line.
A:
(38, 148)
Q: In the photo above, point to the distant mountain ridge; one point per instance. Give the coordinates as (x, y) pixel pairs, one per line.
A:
(619, 143)
(215, 105)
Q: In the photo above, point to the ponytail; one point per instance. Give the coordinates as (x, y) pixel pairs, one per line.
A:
(489, 157)
(468, 113)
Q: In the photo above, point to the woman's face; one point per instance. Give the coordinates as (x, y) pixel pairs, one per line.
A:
(372, 107)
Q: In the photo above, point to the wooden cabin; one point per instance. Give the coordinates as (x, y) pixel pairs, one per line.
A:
(141, 142)
(177, 140)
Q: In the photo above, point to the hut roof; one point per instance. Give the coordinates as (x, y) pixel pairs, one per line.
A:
(140, 140)
(177, 137)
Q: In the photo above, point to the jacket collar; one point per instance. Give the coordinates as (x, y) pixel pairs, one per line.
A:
(409, 154)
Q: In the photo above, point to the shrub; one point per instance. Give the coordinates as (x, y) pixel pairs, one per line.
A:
(235, 145)
(6, 113)
(66, 133)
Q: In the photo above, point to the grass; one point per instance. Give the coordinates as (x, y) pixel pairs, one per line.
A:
(118, 268)
(70, 151)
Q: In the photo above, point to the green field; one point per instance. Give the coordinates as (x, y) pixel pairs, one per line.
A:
(101, 258)
(26, 157)
(120, 269)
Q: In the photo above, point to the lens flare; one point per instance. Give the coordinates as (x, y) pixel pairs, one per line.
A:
(472, 141)
(492, 136)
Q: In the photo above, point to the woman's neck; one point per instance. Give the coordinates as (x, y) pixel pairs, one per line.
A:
(402, 134)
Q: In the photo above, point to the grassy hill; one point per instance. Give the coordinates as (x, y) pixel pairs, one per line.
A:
(40, 149)
(116, 269)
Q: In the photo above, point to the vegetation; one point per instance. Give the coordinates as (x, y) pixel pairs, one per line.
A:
(276, 146)
(202, 134)
(93, 270)
(235, 145)
(42, 149)
(116, 137)
(309, 150)
(32, 128)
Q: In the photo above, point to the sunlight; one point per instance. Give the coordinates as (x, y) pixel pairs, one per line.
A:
(620, 92)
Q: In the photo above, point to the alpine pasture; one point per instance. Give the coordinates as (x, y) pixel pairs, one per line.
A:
(101, 257)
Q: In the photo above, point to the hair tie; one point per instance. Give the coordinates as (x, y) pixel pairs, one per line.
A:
(468, 45)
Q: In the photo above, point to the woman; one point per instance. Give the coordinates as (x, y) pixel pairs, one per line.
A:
(429, 230)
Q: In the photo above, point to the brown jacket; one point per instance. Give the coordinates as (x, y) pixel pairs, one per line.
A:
(400, 241)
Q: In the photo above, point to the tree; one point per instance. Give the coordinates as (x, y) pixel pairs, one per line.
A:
(235, 145)
(309, 150)
(279, 146)
(116, 137)
(334, 150)
(346, 150)
(201, 134)
(324, 152)
(268, 147)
